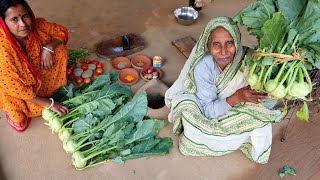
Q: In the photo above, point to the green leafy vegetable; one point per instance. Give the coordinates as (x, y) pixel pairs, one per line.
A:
(106, 124)
(75, 54)
(288, 34)
(303, 113)
(286, 170)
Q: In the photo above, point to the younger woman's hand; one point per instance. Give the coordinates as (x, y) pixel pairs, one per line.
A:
(246, 94)
(46, 60)
(59, 108)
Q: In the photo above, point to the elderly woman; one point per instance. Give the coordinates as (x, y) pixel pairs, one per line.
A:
(33, 59)
(211, 104)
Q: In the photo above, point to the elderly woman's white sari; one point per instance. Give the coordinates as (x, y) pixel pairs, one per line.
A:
(246, 126)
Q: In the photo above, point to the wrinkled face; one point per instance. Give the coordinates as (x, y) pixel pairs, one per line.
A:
(18, 21)
(221, 46)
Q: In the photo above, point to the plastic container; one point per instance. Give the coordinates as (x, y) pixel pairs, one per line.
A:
(157, 61)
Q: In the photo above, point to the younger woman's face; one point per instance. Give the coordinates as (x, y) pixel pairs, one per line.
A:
(18, 21)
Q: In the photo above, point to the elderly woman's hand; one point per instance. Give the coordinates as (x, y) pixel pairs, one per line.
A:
(246, 94)
(47, 59)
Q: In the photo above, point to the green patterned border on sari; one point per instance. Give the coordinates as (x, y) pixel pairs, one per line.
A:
(190, 148)
(240, 119)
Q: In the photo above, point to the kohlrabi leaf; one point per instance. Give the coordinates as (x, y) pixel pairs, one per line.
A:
(112, 129)
(78, 100)
(147, 128)
(84, 124)
(159, 148)
(313, 38)
(65, 91)
(255, 15)
(315, 47)
(291, 35)
(287, 170)
(303, 113)
(136, 108)
(273, 30)
(98, 83)
(113, 90)
(317, 61)
(310, 16)
(290, 8)
(145, 146)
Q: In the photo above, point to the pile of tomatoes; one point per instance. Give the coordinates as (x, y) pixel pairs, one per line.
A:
(84, 71)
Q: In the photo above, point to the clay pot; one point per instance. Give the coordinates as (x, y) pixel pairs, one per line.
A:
(141, 61)
(128, 76)
(143, 72)
(119, 63)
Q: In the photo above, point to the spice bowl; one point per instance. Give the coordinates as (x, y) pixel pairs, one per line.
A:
(141, 61)
(121, 62)
(150, 73)
(128, 76)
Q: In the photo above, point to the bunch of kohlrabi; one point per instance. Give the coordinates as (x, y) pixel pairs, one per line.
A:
(288, 34)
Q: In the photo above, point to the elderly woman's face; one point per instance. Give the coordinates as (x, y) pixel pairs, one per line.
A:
(18, 21)
(221, 46)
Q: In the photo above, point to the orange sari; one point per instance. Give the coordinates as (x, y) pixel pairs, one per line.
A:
(21, 77)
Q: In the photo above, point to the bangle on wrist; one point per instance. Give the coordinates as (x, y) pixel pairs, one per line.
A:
(52, 103)
(48, 49)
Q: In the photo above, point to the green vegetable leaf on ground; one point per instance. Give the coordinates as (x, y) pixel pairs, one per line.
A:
(160, 147)
(286, 170)
(303, 113)
(133, 172)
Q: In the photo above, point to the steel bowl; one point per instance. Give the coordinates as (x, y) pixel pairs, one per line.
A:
(186, 15)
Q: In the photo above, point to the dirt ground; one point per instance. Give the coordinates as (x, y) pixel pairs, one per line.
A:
(37, 154)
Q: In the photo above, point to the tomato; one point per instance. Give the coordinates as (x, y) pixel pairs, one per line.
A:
(87, 80)
(69, 71)
(84, 67)
(79, 80)
(99, 65)
(95, 62)
(95, 75)
(87, 61)
(71, 77)
(99, 71)
(71, 66)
